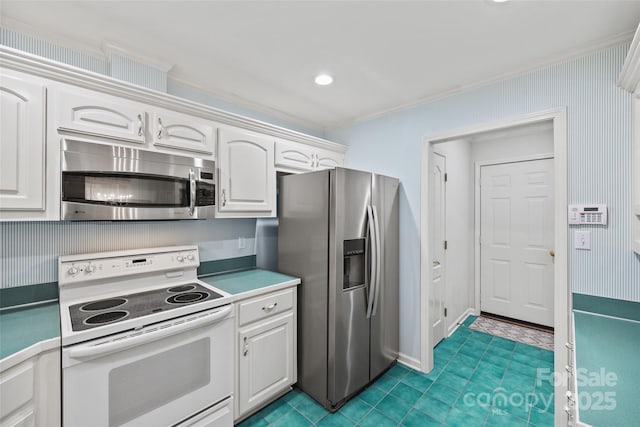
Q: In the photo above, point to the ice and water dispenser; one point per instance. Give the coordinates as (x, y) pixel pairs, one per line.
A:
(354, 263)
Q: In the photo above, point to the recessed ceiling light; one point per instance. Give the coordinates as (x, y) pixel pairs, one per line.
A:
(500, 1)
(323, 79)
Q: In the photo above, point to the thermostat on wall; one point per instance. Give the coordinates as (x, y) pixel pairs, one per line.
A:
(588, 214)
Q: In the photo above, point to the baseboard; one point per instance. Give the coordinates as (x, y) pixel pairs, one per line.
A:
(468, 312)
(409, 361)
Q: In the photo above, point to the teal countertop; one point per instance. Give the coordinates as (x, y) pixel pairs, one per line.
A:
(248, 281)
(22, 327)
(608, 369)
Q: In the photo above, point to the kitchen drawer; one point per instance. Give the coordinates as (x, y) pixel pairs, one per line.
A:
(264, 306)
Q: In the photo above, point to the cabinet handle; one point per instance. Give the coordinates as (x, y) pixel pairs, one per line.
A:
(246, 347)
(270, 307)
(224, 198)
(140, 125)
(160, 128)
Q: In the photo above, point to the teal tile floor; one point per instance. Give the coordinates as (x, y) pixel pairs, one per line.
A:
(478, 380)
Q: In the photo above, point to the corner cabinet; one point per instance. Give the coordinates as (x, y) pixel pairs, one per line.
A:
(295, 157)
(246, 174)
(267, 352)
(30, 388)
(630, 80)
(22, 144)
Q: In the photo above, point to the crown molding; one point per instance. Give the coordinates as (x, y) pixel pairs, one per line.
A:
(630, 75)
(46, 68)
(574, 54)
(110, 49)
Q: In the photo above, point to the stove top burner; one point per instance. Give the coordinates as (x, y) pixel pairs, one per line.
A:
(92, 314)
(107, 317)
(104, 304)
(187, 297)
(182, 288)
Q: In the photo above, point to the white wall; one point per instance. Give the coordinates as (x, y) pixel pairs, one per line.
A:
(459, 228)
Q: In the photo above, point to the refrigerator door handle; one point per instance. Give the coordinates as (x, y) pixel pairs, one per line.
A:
(378, 254)
(374, 261)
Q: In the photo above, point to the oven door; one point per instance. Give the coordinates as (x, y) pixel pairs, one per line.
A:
(159, 375)
(106, 182)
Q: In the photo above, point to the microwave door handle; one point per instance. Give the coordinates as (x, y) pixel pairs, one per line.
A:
(192, 192)
(86, 351)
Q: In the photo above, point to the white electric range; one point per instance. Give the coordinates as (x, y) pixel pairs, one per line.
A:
(145, 343)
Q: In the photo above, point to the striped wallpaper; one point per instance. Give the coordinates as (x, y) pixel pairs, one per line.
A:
(599, 169)
(115, 66)
(128, 70)
(29, 250)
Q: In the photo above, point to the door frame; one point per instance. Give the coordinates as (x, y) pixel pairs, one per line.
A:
(558, 116)
(476, 206)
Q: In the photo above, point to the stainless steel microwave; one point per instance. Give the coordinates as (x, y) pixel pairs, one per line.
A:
(108, 182)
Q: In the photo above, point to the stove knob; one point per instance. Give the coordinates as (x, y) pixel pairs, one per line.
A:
(190, 257)
(180, 258)
(72, 271)
(89, 268)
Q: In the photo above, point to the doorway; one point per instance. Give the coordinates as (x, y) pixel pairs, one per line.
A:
(561, 292)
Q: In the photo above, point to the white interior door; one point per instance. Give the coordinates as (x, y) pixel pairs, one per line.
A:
(516, 240)
(438, 262)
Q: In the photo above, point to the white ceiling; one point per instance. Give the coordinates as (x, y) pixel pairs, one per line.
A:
(384, 55)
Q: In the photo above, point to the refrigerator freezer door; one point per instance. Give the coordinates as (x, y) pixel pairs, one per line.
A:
(348, 328)
(384, 321)
(303, 249)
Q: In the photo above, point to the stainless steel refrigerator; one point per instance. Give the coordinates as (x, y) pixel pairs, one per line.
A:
(338, 232)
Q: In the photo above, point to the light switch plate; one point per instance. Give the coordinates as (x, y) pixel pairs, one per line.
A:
(583, 240)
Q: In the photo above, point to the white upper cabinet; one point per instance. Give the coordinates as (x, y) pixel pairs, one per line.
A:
(247, 176)
(94, 114)
(297, 157)
(183, 132)
(22, 143)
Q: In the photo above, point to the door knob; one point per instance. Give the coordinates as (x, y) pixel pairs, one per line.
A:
(552, 253)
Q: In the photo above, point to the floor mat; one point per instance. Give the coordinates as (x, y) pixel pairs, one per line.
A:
(513, 332)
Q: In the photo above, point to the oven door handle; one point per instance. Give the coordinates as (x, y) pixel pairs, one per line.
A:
(89, 350)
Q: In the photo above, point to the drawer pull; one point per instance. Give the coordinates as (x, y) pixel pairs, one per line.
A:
(270, 307)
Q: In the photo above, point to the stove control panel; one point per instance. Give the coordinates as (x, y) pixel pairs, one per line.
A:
(104, 268)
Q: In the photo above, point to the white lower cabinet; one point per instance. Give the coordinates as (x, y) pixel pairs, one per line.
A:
(267, 365)
(30, 391)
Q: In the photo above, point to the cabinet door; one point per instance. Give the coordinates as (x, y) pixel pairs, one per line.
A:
(266, 365)
(22, 144)
(247, 184)
(93, 113)
(295, 156)
(182, 132)
(328, 159)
